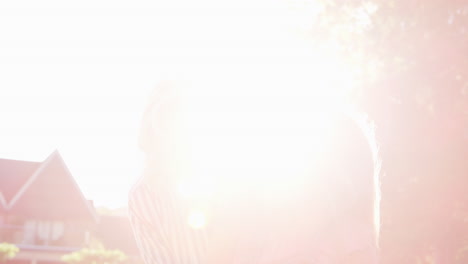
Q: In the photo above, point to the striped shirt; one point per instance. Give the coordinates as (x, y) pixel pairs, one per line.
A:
(163, 235)
(159, 224)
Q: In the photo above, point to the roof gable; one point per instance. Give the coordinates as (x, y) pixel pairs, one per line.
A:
(13, 175)
(50, 192)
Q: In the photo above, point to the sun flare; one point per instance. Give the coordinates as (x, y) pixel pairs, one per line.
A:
(255, 113)
(197, 219)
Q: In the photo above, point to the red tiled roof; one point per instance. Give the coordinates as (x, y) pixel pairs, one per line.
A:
(13, 175)
(48, 192)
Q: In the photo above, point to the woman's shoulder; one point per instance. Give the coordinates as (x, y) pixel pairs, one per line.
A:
(146, 198)
(140, 185)
(140, 195)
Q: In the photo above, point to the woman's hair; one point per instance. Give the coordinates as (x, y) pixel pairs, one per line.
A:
(349, 163)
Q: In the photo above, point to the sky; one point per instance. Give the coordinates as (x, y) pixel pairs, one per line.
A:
(75, 75)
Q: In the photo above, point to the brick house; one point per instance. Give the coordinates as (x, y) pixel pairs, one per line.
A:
(42, 210)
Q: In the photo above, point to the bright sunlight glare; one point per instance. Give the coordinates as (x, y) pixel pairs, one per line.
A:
(98, 60)
(265, 126)
(197, 219)
(240, 142)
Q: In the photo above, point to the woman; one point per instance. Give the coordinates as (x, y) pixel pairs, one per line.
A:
(253, 179)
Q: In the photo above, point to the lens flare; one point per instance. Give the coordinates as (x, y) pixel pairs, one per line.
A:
(197, 219)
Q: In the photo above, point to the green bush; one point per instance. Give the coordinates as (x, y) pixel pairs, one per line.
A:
(95, 256)
(7, 251)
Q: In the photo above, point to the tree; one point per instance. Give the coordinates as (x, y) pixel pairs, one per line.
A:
(95, 256)
(411, 58)
(7, 251)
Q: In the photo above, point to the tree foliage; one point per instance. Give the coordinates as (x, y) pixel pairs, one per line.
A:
(7, 251)
(95, 256)
(411, 58)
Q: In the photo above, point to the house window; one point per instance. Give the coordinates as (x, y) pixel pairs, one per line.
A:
(29, 234)
(50, 231)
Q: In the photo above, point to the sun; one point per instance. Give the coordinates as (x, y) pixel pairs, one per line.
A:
(248, 113)
(196, 219)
